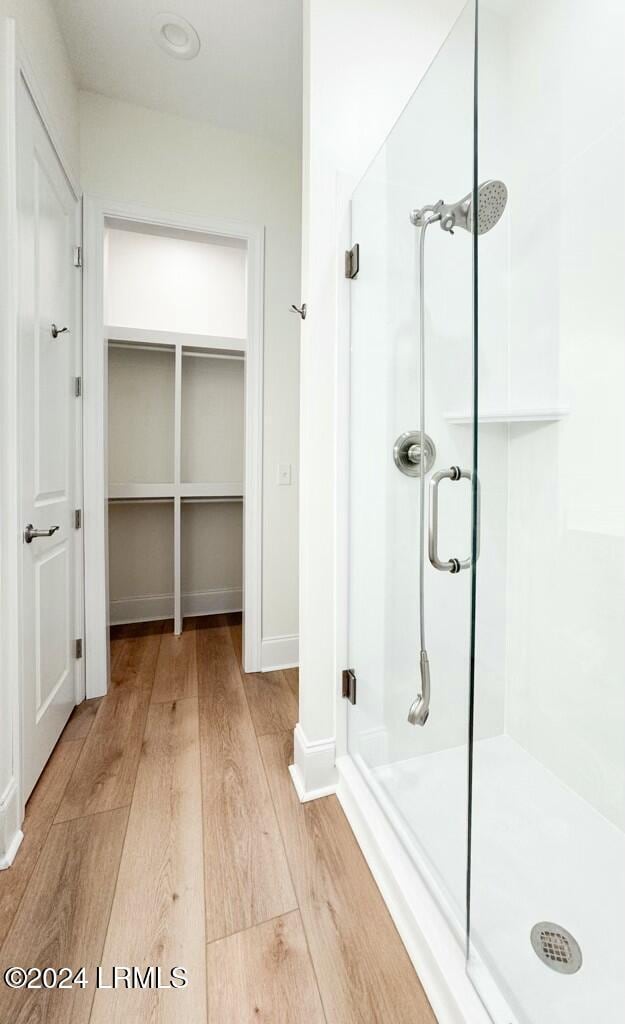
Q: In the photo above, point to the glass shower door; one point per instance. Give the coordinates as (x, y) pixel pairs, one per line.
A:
(516, 780)
(419, 772)
(548, 796)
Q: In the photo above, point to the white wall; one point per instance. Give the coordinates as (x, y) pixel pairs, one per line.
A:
(181, 284)
(141, 553)
(362, 61)
(132, 154)
(40, 44)
(140, 416)
(213, 406)
(565, 697)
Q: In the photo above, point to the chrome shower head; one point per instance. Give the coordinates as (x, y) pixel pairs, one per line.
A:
(492, 197)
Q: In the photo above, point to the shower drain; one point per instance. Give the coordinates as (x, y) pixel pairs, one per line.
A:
(556, 947)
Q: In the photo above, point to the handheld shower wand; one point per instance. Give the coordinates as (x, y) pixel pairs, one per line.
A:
(420, 708)
(492, 197)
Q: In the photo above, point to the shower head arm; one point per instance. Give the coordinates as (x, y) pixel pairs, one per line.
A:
(450, 216)
(420, 218)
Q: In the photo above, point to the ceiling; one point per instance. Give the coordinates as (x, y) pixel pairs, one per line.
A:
(246, 78)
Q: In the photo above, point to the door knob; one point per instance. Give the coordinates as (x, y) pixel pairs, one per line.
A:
(55, 331)
(30, 533)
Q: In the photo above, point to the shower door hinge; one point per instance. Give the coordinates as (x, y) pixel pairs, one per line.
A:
(77, 518)
(349, 685)
(352, 262)
(77, 386)
(78, 256)
(78, 649)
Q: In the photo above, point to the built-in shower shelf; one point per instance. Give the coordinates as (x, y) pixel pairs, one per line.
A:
(509, 416)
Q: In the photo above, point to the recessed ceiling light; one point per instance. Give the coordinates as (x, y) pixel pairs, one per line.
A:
(176, 36)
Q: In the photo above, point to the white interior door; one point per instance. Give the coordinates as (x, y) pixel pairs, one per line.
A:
(48, 224)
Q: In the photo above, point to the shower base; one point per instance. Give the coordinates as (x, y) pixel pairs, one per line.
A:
(540, 852)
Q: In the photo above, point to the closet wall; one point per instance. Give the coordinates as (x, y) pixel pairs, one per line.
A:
(175, 309)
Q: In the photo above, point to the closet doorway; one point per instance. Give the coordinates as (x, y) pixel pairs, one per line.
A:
(173, 352)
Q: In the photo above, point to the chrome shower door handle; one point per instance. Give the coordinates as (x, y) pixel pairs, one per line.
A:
(453, 565)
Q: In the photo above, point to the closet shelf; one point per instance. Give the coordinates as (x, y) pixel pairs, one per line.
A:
(546, 415)
(118, 491)
(176, 426)
(143, 337)
(218, 490)
(140, 492)
(140, 501)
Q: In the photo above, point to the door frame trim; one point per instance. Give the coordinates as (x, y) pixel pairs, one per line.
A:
(16, 65)
(96, 211)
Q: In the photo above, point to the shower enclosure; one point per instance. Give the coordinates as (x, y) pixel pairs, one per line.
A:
(498, 352)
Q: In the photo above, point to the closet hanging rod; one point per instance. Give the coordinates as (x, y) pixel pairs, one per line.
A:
(142, 346)
(140, 501)
(142, 336)
(198, 354)
(145, 346)
(212, 501)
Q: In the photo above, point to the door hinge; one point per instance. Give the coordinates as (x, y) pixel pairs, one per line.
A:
(77, 386)
(77, 518)
(78, 649)
(352, 262)
(349, 685)
(78, 255)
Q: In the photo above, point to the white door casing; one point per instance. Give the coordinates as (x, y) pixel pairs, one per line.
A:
(97, 212)
(49, 441)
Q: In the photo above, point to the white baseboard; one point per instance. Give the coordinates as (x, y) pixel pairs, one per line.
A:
(435, 950)
(212, 602)
(279, 652)
(11, 834)
(141, 609)
(161, 606)
(314, 770)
